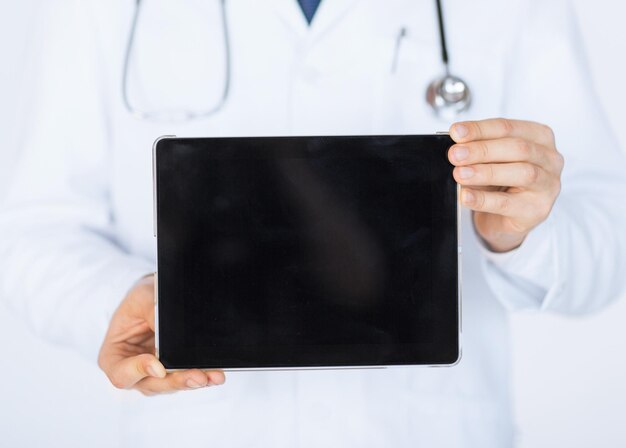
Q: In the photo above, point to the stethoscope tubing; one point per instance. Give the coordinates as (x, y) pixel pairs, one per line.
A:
(184, 115)
(437, 97)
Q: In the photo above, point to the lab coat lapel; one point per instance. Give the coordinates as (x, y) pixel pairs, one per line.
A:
(290, 14)
(329, 13)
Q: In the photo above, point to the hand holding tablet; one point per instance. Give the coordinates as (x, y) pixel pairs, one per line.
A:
(306, 252)
(127, 353)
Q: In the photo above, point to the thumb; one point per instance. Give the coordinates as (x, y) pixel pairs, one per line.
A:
(127, 372)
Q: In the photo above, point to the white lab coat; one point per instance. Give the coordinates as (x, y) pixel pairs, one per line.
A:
(76, 230)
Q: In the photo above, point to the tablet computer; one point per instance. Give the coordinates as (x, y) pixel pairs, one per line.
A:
(306, 252)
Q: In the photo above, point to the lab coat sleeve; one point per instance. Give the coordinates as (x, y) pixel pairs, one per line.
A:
(575, 261)
(61, 268)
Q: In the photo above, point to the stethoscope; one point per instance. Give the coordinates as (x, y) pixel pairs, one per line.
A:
(447, 95)
(176, 115)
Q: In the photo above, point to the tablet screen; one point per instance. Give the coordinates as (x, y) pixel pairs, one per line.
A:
(306, 252)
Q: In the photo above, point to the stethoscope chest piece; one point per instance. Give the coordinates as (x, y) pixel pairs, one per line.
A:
(448, 96)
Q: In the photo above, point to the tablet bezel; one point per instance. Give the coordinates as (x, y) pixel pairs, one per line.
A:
(290, 368)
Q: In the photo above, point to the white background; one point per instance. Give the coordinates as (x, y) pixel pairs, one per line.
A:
(569, 374)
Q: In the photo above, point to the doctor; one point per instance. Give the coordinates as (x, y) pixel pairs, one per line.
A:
(77, 247)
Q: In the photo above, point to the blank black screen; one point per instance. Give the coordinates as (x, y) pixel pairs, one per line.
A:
(306, 252)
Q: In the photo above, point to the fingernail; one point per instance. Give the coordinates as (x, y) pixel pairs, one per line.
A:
(468, 197)
(156, 370)
(220, 379)
(460, 130)
(193, 384)
(460, 153)
(466, 172)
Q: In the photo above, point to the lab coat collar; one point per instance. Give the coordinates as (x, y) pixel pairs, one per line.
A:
(328, 14)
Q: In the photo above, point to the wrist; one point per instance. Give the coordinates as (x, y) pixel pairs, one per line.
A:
(498, 241)
(503, 244)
